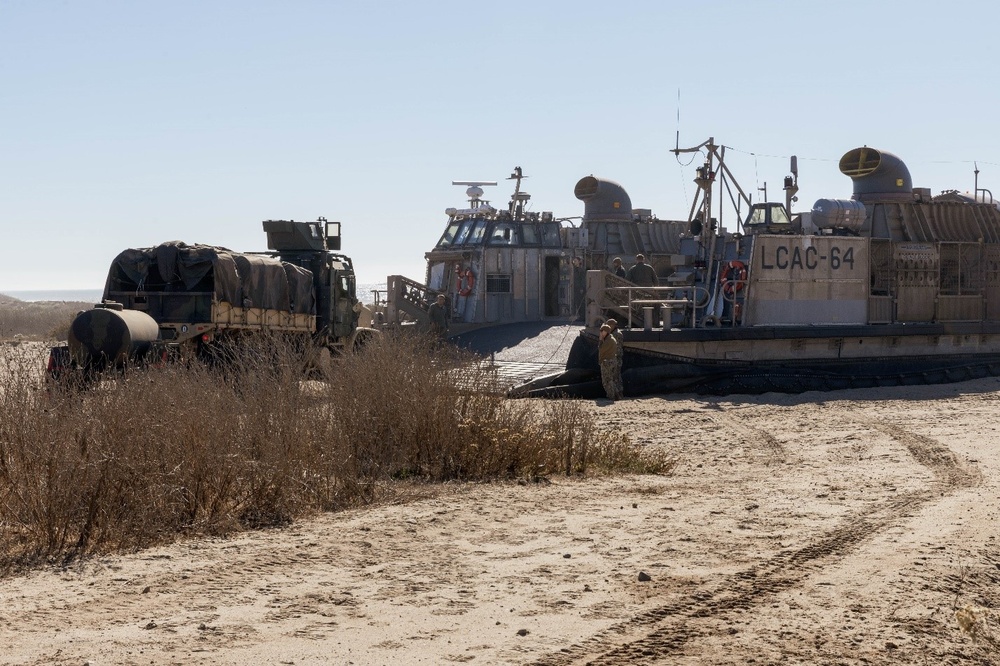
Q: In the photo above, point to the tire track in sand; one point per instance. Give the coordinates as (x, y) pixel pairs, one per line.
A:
(746, 432)
(665, 629)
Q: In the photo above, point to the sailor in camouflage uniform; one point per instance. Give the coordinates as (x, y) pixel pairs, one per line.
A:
(609, 366)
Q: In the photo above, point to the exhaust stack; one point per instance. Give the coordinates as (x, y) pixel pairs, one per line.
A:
(877, 175)
(604, 200)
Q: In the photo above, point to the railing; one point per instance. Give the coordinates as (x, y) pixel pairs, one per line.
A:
(732, 290)
(635, 300)
(379, 297)
(701, 305)
(409, 296)
(620, 300)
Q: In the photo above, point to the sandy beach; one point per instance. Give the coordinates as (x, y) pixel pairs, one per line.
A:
(823, 528)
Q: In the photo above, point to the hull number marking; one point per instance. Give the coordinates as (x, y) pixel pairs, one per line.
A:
(809, 258)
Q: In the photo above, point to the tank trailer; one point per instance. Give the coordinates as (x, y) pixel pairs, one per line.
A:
(183, 301)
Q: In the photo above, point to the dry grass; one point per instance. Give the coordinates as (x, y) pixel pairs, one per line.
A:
(142, 458)
(979, 623)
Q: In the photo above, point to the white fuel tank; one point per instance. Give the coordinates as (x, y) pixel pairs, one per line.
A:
(838, 214)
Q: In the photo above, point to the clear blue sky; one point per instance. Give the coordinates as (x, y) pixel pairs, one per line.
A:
(129, 123)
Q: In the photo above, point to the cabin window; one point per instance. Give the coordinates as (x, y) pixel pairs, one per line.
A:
(768, 214)
(529, 234)
(550, 234)
(757, 216)
(498, 283)
(342, 286)
(476, 237)
(503, 233)
(463, 232)
(449, 234)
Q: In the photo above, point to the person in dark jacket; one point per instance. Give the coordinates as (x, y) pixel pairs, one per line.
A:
(438, 312)
(618, 269)
(642, 273)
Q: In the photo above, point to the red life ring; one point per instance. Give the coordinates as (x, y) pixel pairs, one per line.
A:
(734, 277)
(466, 282)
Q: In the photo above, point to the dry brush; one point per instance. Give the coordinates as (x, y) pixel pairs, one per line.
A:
(144, 457)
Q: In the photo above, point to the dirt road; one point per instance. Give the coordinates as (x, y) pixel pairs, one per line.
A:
(825, 528)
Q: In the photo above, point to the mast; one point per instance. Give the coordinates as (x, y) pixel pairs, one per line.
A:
(700, 217)
(518, 198)
(791, 185)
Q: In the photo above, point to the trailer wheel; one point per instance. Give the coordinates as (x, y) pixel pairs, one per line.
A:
(363, 336)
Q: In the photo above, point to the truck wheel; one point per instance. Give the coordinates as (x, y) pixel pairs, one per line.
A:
(321, 364)
(363, 336)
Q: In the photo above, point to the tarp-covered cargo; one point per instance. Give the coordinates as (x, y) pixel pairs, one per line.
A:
(243, 280)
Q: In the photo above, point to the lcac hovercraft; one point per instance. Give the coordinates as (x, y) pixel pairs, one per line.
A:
(893, 286)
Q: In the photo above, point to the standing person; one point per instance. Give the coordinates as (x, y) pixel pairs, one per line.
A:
(606, 356)
(438, 312)
(618, 269)
(642, 273)
(619, 353)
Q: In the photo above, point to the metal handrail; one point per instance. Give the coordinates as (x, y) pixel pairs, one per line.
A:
(667, 300)
(413, 292)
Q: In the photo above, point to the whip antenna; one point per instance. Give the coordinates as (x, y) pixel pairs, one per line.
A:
(677, 134)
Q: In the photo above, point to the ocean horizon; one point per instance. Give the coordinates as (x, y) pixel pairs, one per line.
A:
(364, 292)
(73, 295)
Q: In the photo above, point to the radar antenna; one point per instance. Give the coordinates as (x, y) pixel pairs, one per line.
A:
(475, 191)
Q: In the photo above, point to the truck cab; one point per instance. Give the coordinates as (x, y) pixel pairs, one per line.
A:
(314, 246)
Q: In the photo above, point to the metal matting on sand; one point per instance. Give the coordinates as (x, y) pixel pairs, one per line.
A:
(500, 376)
(515, 354)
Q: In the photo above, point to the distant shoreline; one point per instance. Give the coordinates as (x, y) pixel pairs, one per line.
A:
(70, 295)
(94, 295)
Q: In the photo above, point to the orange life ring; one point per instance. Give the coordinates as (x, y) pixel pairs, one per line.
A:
(466, 282)
(733, 278)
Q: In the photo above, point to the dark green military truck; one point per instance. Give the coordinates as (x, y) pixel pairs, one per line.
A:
(184, 300)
